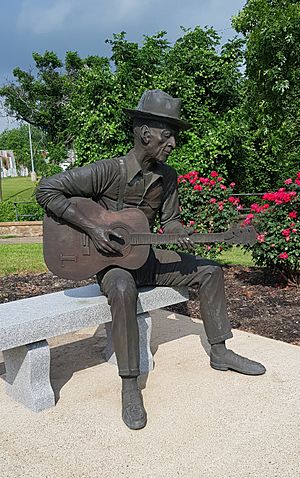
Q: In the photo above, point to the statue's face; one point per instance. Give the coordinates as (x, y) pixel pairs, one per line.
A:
(162, 141)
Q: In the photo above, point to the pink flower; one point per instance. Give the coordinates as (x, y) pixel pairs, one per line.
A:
(219, 179)
(213, 200)
(198, 187)
(284, 255)
(221, 206)
(297, 181)
(223, 187)
(288, 181)
(261, 237)
(232, 185)
(286, 232)
(204, 180)
(214, 174)
(294, 231)
(208, 248)
(298, 175)
(293, 215)
(231, 199)
(191, 223)
(248, 219)
(160, 231)
(240, 207)
(212, 182)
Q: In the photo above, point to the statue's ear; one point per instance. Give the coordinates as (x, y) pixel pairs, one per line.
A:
(145, 134)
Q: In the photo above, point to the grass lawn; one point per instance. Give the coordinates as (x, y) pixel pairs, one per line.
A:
(23, 258)
(18, 189)
(236, 256)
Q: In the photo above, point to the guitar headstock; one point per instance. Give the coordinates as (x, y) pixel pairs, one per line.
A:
(243, 235)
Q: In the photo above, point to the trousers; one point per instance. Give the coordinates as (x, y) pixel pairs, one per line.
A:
(162, 268)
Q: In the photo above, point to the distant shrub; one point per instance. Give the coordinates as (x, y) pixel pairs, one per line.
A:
(26, 211)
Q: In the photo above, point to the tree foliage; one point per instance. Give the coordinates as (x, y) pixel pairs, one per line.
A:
(272, 89)
(17, 140)
(79, 103)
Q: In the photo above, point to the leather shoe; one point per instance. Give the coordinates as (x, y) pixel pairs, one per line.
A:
(133, 411)
(232, 361)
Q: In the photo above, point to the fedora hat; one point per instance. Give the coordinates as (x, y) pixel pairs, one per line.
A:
(158, 105)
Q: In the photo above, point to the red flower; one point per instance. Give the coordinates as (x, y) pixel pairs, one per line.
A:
(283, 255)
(204, 180)
(293, 215)
(232, 185)
(212, 182)
(255, 208)
(288, 181)
(198, 187)
(297, 181)
(286, 232)
(214, 174)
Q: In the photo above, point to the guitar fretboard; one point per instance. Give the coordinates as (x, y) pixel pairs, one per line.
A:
(151, 238)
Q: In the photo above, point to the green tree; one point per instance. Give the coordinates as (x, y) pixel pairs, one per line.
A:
(272, 90)
(79, 103)
(17, 140)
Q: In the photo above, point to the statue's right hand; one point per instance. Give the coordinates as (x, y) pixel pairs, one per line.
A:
(100, 236)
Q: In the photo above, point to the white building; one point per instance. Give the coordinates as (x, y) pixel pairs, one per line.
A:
(7, 164)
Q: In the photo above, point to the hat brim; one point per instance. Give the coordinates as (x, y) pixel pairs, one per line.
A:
(178, 123)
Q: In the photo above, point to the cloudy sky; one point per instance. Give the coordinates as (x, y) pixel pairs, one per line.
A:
(83, 26)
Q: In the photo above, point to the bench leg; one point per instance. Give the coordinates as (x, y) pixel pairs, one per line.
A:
(146, 357)
(27, 375)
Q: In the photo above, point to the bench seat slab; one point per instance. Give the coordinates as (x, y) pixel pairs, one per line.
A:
(28, 375)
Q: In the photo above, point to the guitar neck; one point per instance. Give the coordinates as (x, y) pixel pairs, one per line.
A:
(156, 239)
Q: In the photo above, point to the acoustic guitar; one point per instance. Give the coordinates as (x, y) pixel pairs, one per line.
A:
(69, 253)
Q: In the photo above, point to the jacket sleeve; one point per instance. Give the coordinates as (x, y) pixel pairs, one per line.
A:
(89, 181)
(170, 211)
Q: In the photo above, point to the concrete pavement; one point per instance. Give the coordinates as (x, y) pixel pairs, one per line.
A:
(201, 422)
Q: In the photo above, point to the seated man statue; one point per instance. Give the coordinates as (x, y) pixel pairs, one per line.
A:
(143, 180)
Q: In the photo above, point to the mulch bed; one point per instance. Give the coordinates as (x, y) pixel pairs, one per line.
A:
(257, 302)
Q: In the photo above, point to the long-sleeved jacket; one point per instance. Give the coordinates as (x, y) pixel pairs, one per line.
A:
(154, 192)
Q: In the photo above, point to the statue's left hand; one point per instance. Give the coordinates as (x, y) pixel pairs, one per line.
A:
(187, 242)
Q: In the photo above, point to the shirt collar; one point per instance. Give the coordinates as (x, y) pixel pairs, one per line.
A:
(133, 167)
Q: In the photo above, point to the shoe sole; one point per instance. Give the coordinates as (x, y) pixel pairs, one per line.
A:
(224, 368)
(137, 426)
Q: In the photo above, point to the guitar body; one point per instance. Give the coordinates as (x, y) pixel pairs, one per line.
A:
(69, 253)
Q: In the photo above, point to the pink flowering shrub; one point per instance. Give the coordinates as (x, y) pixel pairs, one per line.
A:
(207, 205)
(277, 219)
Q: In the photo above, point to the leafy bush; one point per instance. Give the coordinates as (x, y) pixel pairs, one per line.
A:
(208, 206)
(32, 211)
(277, 219)
(7, 211)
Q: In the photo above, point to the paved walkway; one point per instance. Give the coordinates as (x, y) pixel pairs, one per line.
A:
(21, 240)
(201, 423)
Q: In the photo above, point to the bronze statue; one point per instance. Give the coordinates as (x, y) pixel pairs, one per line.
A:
(143, 180)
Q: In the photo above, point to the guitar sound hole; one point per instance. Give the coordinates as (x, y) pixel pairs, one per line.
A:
(123, 241)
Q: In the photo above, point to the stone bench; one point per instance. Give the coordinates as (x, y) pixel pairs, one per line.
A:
(25, 326)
